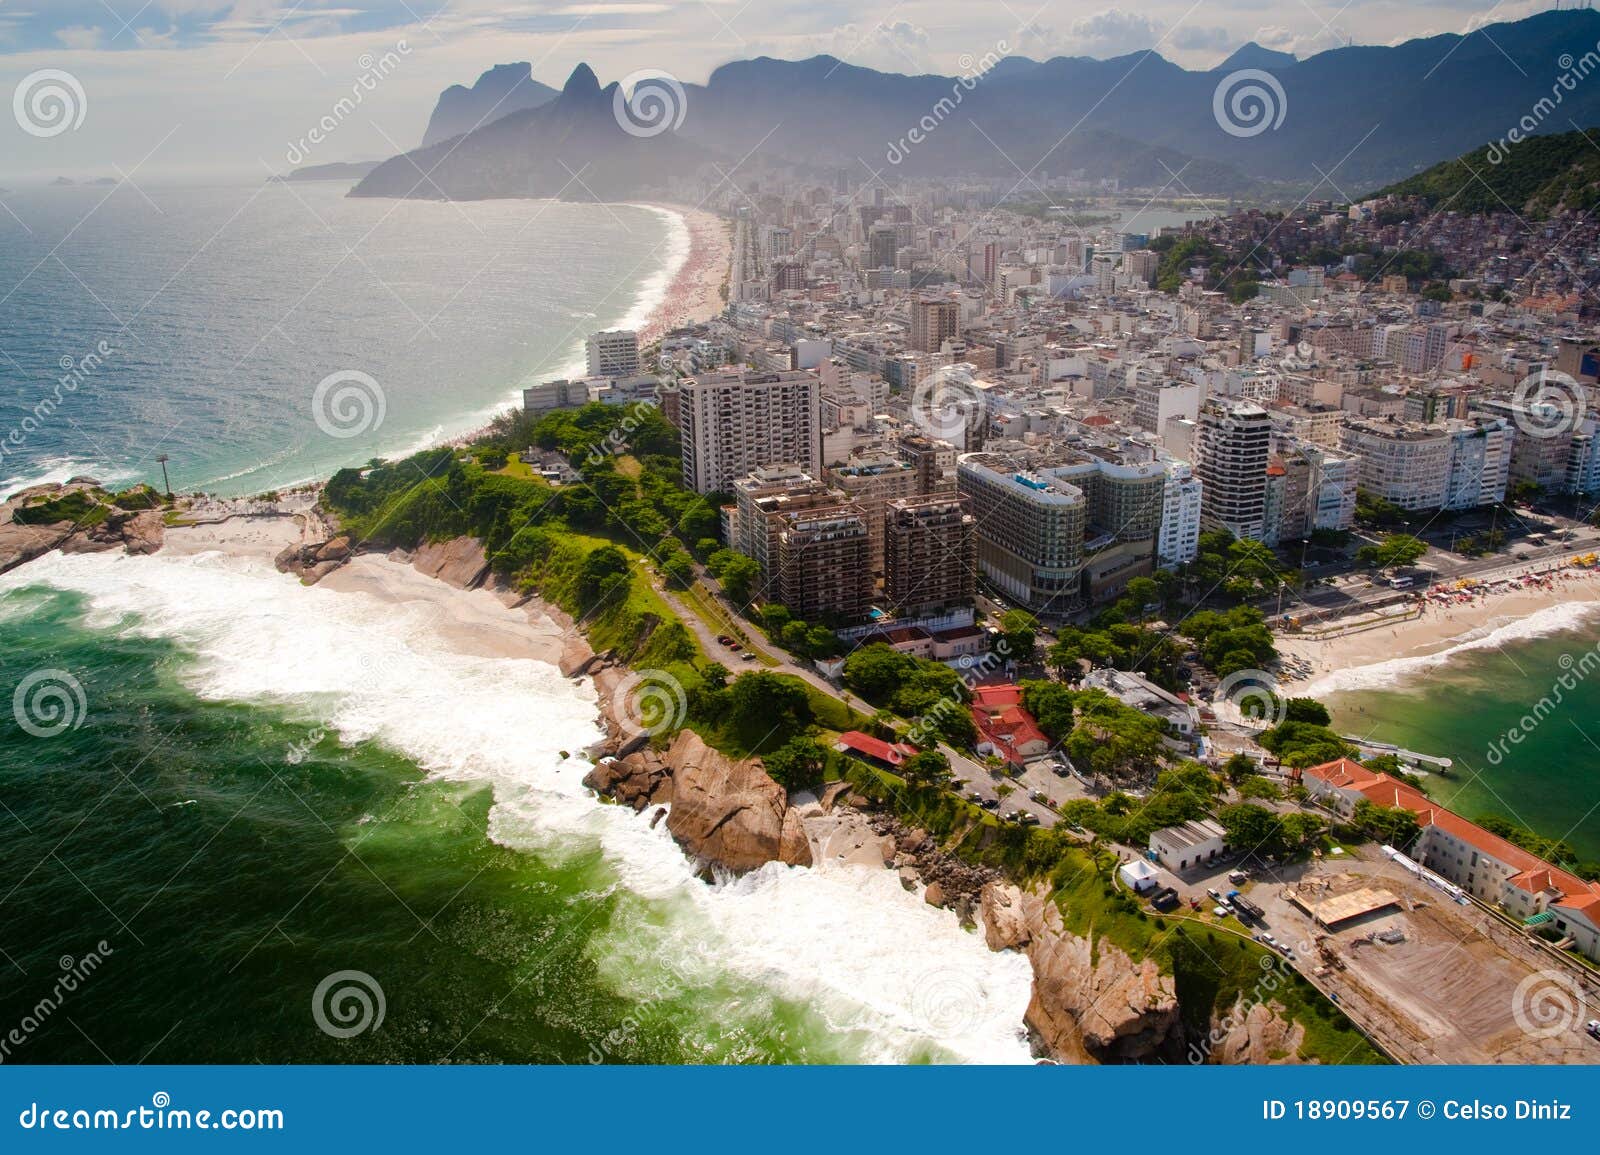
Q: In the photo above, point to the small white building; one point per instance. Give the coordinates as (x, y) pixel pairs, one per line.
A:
(1139, 875)
(1189, 845)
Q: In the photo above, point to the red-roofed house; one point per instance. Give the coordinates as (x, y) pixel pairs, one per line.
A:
(1493, 870)
(885, 754)
(1004, 727)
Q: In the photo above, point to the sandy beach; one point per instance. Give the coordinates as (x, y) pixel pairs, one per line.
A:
(476, 622)
(1387, 652)
(695, 295)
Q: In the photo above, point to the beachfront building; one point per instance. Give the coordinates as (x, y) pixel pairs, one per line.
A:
(612, 353)
(732, 423)
(1491, 869)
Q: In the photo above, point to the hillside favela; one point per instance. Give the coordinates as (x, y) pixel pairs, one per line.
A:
(651, 535)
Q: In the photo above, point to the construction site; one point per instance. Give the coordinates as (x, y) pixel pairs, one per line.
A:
(1431, 979)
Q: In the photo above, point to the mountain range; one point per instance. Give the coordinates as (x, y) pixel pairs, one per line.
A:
(1346, 119)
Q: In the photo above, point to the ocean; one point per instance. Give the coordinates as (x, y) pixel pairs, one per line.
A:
(254, 821)
(199, 323)
(1517, 709)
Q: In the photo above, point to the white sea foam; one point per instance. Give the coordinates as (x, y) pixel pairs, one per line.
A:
(1557, 619)
(874, 961)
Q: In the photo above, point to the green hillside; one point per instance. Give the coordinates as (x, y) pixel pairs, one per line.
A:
(1533, 178)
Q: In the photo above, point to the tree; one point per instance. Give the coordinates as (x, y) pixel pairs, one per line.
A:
(1019, 631)
(797, 764)
(1239, 767)
(926, 768)
(736, 572)
(678, 569)
(1249, 827)
(1306, 710)
(1050, 703)
(1393, 825)
(763, 707)
(1392, 551)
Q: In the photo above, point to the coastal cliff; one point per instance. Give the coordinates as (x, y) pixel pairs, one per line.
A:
(1091, 1002)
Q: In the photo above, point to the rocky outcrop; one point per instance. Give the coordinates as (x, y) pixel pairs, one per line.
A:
(637, 780)
(921, 859)
(1256, 1033)
(1090, 1002)
(459, 562)
(315, 560)
(138, 531)
(725, 812)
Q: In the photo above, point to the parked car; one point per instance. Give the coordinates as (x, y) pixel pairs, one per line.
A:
(1593, 1027)
(1027, 818)
(1214, 894)
(990, 804)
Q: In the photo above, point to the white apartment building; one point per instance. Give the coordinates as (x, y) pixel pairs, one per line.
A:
(1480, 463)
(1030, 531)
(1402, 463)
(613, 353)
(1233, 443)
(733, 423)
(1178, 540)
(1453, 465)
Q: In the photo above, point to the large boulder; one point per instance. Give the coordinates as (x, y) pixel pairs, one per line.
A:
(726, 812)
(1005, 924)
(638, 780)
(794, 847)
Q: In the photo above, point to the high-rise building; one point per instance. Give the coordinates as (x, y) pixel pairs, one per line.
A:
(1178, 540)
(870, 480)
(613, 353)
(1157, 400)
(930, 554)
(1030, 531)
(733, 423)
(761, 499)
(881, 247)
(1401, 462)
(933, 321)
(822, 566)
(1233, 442)
(933, 459)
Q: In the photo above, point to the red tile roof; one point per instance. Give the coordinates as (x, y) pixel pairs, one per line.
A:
(892, 753)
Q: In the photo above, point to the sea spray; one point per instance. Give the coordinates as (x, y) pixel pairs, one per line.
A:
(792, 951)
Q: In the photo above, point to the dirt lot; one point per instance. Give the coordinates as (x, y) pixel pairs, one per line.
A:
(1450, 992)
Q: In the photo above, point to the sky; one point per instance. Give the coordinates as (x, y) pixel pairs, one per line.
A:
(182, 89)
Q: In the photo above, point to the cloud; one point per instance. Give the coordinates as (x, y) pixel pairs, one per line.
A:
(1194, 38)
(81, 36)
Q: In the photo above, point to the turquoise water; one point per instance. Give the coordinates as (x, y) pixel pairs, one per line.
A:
(241, 805)
(1466, 707)
(199, 322)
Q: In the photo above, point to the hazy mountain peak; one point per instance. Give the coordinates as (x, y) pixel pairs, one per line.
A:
(501, 91)
(1252, 55)
(582, 83)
